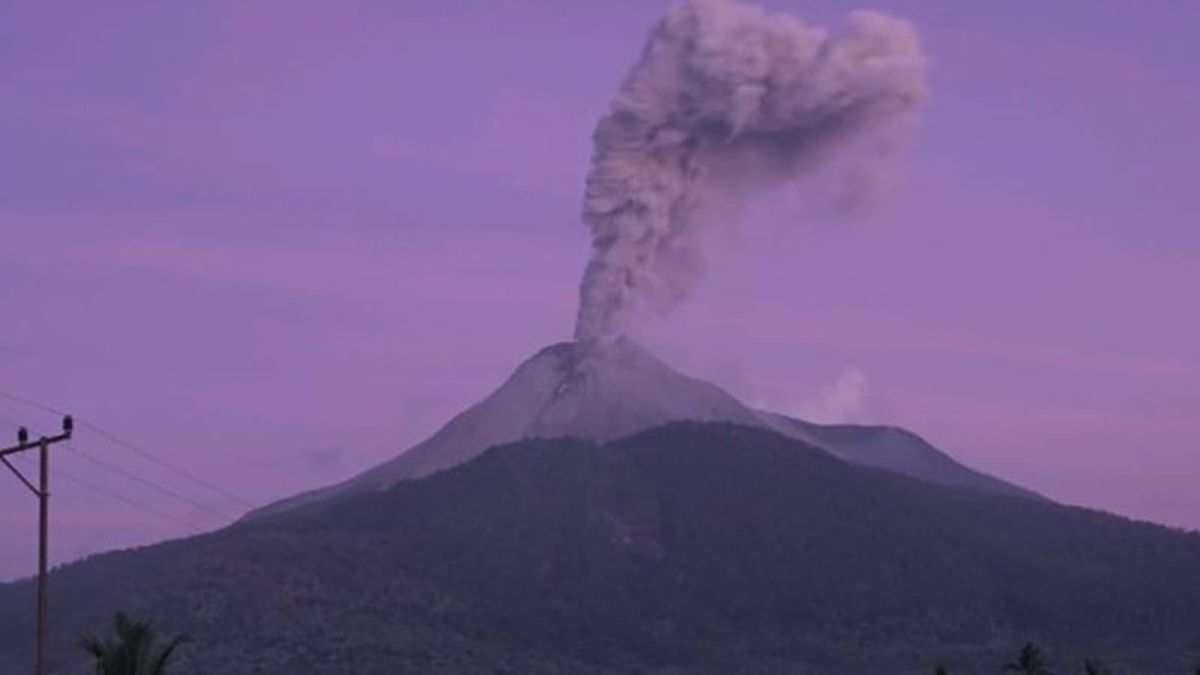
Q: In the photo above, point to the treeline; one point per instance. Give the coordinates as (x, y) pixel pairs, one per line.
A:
(135, 651)
(1031, 661)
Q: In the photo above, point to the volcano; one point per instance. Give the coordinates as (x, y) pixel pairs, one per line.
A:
(693, 548)
(601, 391)
(709, 538)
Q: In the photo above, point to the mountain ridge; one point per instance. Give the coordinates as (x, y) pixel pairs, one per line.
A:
(606, 390)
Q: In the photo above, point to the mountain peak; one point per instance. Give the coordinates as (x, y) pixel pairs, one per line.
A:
(606, 390)
(576, 360)
(610, 389)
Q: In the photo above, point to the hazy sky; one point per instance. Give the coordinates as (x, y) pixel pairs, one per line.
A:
(277, 243)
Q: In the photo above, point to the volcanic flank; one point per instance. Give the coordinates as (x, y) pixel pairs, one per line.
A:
(604, 390)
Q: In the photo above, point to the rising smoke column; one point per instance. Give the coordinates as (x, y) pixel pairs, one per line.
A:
(725, 101)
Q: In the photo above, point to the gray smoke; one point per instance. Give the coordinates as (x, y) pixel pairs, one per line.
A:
(726, 100)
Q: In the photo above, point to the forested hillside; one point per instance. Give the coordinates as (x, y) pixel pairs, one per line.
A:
(691, 548)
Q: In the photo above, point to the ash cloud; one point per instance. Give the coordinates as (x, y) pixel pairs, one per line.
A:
(725, 101)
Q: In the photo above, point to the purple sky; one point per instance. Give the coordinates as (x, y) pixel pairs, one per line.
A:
(277, 246)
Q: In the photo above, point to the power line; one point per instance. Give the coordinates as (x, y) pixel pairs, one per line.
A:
(163, 463)
(131, 502)
(75, 449)
(42, 491)
(113, 438)
(30, 403)
(148, 483)
(136, 504)
(122, 498)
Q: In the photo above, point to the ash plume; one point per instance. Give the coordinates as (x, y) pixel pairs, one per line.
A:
(726, 100)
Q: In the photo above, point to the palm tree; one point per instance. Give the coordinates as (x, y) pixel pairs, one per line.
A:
(133, 652)
(1095, 667)
(1028, 662)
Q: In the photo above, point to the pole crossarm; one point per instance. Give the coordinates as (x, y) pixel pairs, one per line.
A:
(32, 445)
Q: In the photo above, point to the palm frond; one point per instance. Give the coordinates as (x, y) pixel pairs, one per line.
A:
(133, 652)
(160, 664)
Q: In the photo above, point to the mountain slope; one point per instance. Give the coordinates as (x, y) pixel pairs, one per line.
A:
(687, 549)
(893, 449)
(605, 391)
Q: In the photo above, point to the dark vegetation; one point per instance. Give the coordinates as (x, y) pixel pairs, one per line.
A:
(133, 652)
(1029, 662)
(690, 549)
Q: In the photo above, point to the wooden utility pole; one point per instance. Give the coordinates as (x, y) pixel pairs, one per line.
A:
(42, 492)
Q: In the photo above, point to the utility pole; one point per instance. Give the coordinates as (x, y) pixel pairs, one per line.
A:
(42, 492)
